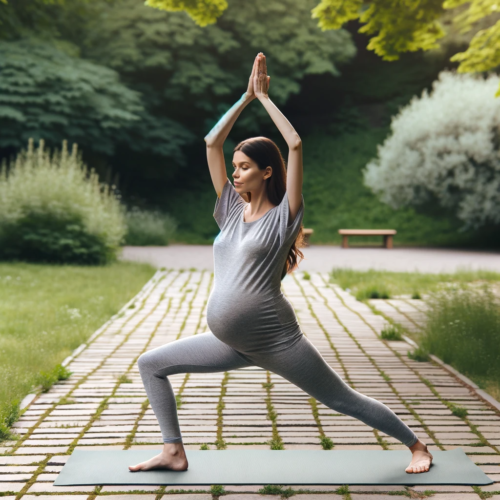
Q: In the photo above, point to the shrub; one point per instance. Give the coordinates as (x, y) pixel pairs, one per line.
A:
(53, 210)
(444, 146)
(463, 329)
(149, 227)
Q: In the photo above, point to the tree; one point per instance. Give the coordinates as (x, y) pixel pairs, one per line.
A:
(444, 146)
(47, 94)
(193, 74)
(396, 26)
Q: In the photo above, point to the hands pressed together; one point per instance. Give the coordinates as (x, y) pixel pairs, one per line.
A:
(258, 84)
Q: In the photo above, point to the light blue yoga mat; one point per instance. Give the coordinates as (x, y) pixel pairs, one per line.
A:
(285, 467)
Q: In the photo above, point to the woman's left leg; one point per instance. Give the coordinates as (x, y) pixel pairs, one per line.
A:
(303, 365)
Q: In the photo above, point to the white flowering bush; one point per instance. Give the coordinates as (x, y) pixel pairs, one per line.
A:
(445, 146)
(52, 209)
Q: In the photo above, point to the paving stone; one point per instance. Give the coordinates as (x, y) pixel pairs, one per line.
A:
(450, 496)
(36, 450)
(50, 488)
(190, 496)
(51, 497)
(132, 487)
(14, 487)
(445, 488)
(17, 460)
(127, 497)
(374, 496)
(243, 496)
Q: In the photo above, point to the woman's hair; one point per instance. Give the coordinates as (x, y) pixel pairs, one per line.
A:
(266, 153)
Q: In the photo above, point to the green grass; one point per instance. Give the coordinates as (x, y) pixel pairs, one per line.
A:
(365, 284)
(419, 354)
(463, 329)
(47, 311)
(392, 332)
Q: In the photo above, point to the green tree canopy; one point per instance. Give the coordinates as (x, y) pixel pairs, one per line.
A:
(192, 71)
(45, 93)
(395, 26)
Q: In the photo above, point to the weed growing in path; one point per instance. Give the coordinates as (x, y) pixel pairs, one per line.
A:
(392, 332)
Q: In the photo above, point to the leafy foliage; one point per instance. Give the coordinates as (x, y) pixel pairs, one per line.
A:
(202, 11)
(46, 94)
(149, 227)
(395, 26)
(194, 72)
(400, 26)
(51, 210)
(483, 53)
(444, 146)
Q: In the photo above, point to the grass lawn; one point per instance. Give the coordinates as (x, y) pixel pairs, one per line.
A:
(463, 321)
(375, 284)
(47, 311)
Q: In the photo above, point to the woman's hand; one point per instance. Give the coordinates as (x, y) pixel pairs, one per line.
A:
(250, 92)
(260, 79)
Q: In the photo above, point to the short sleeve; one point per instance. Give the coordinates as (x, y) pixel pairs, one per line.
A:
(226, 205)
(289, 230)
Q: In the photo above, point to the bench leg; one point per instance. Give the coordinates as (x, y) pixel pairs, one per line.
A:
(345, 243)
(388, 241)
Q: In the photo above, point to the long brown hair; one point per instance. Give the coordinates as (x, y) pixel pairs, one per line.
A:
(266, 153)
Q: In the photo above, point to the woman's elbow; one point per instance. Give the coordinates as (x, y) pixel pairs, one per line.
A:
(296, 144)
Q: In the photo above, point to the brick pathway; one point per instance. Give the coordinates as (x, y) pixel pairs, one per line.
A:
(103, 403)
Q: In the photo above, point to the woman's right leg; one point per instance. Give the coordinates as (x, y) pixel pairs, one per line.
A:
(202, 353)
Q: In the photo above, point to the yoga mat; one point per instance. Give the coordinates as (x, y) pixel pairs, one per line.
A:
(285, 467)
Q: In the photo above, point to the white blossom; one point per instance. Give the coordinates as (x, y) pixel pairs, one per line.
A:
(444, 145)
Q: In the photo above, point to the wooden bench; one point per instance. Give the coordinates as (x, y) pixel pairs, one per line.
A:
(307, 234)
(386, 233)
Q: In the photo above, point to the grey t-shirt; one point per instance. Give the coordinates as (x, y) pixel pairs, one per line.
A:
(246, 308)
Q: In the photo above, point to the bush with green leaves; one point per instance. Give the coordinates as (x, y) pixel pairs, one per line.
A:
(444, 147)
(149, 227)
(52, 209)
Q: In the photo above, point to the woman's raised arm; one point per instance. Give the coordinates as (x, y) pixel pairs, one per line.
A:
(294, 164)
(216, 137)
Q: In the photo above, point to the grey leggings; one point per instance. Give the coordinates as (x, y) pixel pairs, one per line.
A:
(301, 364)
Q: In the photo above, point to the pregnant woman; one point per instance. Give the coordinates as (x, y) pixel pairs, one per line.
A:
(251, 322)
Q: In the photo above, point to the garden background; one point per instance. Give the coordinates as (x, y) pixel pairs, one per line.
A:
(104, 105)
(137, 88)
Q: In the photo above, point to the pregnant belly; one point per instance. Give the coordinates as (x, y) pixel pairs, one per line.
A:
(249, 323)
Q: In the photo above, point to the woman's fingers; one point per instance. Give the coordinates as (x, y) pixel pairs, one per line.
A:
(255, 65)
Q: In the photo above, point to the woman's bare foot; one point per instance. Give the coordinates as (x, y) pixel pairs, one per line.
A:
(421, 459)
(172, 457)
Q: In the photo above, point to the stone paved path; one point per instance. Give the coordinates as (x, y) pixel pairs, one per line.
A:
(103, 404)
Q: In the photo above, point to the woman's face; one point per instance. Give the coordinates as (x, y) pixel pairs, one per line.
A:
(247, 175)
